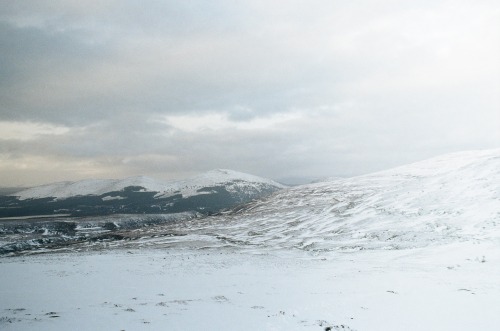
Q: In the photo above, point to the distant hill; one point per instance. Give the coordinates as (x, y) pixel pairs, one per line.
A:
(207, 193)
(444, 200)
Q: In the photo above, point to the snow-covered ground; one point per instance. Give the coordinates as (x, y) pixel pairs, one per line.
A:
(411, 248)
(452, 287)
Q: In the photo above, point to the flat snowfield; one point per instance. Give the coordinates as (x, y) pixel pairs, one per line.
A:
(448, 287)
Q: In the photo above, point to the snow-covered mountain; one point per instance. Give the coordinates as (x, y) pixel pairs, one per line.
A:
(210, 191)
(232, 180)
(448, 198)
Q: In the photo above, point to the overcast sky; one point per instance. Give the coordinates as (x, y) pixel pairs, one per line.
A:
(279, 89)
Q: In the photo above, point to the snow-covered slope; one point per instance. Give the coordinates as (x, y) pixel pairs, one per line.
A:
(232, 179)
(448, 198)
(62, 190)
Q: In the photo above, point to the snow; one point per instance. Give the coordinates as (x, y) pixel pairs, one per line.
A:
(411, 248)
(186, 187)
(64, 190)
(446, 288)
(233, 181)
(110, 198)
(450, 198)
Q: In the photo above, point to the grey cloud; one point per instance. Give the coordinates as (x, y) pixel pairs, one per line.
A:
(58, 72)
(376, 84)
(36, 64)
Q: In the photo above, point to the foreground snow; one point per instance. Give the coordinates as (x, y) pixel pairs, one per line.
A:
(452, 287)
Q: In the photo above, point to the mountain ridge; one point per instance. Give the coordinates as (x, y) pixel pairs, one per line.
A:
(206, 193)
(96, 187)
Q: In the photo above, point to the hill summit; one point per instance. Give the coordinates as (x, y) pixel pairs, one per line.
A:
(207, 193)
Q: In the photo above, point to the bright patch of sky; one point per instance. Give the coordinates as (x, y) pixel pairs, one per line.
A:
(24, 131)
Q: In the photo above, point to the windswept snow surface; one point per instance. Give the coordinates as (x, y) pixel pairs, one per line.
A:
(412, 248)
(447, 288)
(187, 187)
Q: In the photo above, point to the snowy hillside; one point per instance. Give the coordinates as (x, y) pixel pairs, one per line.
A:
(449, 198)
(186, 187)
(207, 193)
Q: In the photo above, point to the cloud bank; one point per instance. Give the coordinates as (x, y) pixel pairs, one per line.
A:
(278, 89)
